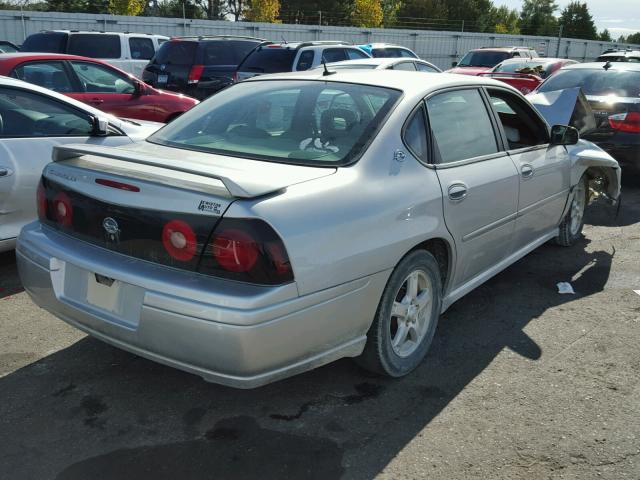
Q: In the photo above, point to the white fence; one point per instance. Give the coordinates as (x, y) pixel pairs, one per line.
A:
(438, 47)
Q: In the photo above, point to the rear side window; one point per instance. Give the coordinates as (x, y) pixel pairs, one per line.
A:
(141, 48)
(305, 61)
(225, 52)
(46, 42)
(415, 134)
(269, 60)
(176, 53)
(334, 55)
(94, 45)
(461, 126)
(408, 66)
(50, 75)
(423, 67)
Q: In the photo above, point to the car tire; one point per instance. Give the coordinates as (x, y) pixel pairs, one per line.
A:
(410, 307)
(570, 229)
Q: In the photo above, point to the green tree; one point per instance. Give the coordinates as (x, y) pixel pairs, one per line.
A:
(633, 38)
(502, 20)
(78, 6)
(390, 11)
(173, 9)
(537, 18)
(605, 36)
(417, 13)
(367, 13)
(577, 22)
(127, 7)
(263, 11)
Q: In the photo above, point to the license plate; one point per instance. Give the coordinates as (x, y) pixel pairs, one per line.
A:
(103, 292)
(163, 78)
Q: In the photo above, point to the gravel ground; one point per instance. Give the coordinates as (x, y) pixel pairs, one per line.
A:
(521, 382)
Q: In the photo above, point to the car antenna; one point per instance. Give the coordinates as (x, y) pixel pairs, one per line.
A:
(284, 40)
(326, 70)
(607, 65)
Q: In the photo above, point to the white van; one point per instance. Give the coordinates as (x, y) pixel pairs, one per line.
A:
(128, 51)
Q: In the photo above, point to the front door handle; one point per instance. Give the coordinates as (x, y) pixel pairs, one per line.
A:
(457, 192)
(526, 171)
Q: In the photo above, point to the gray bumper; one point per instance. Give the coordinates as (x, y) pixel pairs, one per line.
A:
(229, 333)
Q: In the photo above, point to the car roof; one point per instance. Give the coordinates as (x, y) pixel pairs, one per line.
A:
(413, 84)
(600, 66)
(12, 59)
(383, 45)
(101, 32)
(318, 43)
(543, 60)
(206, 38)
(500, 49)
(378, 61)
(621, 53)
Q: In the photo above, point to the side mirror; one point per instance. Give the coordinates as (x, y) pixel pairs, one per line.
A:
(454, 64)
(139, 88)
(564, 135)
(100, 126)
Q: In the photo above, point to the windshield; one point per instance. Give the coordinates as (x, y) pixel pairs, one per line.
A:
(600, 82)
(269, 60)
(540, 69)
(298, 122)
(49, 42)
(483, 59)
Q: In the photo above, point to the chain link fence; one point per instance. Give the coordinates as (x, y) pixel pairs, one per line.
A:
(437, 46)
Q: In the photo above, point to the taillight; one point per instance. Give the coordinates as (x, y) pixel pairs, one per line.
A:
(179, 240)
(195, 73)
(62, 209)
(625, 122)
(247, 250)
(234, 77)
(105, 182)
(41, 197)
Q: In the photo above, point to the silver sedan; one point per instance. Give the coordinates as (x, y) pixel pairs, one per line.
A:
(295, 219)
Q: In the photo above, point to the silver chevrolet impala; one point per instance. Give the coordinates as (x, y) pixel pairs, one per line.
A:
(292, 220)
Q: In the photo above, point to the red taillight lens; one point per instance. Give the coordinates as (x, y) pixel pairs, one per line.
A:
(41, 197)
(195, 73)
(119, 185)
(62, 209)
(179, 240)
(626, 122)
(247, 250)
(235, 250)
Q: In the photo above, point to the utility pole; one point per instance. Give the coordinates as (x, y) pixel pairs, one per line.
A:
(320, 18)
(462, 27)
(559, 40)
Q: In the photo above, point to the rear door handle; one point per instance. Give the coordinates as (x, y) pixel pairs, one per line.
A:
(526, 171)
(457, 192)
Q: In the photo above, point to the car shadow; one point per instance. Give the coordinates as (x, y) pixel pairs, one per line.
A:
(9, 280)
(93, 411)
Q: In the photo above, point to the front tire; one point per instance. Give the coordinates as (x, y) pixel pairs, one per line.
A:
(406, 319)
(570, 229)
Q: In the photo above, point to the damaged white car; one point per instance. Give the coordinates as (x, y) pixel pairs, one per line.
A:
(295, 219)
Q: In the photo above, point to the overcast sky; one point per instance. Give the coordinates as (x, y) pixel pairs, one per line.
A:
(620, 17)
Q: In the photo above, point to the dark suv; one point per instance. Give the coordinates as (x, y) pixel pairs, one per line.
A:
(198, 66)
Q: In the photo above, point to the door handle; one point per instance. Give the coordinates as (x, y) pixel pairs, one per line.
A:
(96, 101)
(526, 171)
(5, 172)
(457, 192)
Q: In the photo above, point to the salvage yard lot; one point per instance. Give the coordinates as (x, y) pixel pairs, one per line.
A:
(521, 382)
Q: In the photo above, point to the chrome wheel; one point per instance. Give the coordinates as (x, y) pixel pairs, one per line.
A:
(411, 313)
(577, 208)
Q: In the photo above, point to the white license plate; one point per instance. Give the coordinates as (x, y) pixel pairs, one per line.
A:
(163, 78)
(103, 294)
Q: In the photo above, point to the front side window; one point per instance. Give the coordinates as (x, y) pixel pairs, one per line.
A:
(461, 126)
(94, 45)
(299, 122)
(334, 55)
(521, 125)
(27, 114)
(415, 134)
(99, 79)
(355, 54)
(141, 48)
(305, 61)
(51, 75)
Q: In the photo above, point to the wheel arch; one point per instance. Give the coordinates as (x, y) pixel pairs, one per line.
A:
(444, 253)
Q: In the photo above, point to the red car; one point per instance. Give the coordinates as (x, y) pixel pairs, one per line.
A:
(96, 83)
(526, 74)
(482, 60)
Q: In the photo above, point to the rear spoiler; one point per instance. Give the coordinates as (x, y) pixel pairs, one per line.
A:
(67, 152)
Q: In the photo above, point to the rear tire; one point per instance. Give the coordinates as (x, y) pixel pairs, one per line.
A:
(570, 229)
(406, 319)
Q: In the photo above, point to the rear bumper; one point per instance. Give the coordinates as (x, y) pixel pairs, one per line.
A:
(238, 335)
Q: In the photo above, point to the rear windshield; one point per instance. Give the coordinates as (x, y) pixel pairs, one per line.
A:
(298, 122)
(49, 42)
(483, 59)
(226, 52)
(269, 60)
(176, 53)
(94, 45)
(359, 66)
(595, 82)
